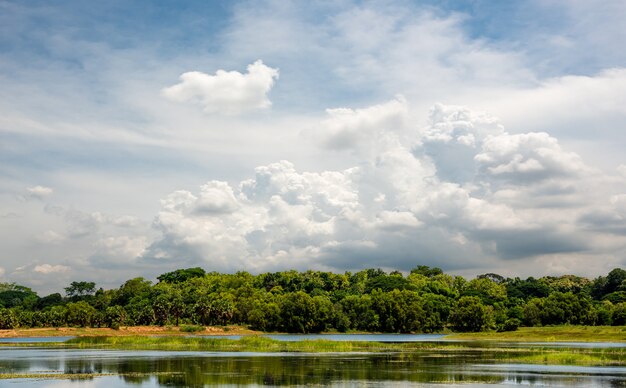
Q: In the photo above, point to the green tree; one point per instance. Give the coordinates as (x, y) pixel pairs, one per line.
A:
(80, 290)
(398, 310)
(8, 319)
(140, 312)
(436, 312)
(471, 315)
(360, 313)
(133, 288)
(619, 314)
(181, 275)
(115, 316)
(80, 313)
(265, 315)
(614, 281)
(13, 295)
(298, 310)
(526, 289)
(427, 271)
(161, 307)
(487, 290)
(49, 300)
(57, 316)
(388, 283)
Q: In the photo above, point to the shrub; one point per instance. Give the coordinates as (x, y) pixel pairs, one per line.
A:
(191, 328)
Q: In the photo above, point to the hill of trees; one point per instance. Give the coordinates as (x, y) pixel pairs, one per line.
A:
(426, 300)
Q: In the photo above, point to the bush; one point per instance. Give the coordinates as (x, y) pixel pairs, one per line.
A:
(511, 324)
(191, 328)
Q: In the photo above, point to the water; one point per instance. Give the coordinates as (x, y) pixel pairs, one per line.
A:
(348, 337)
(389, 338)
(34, 339)
(470, 368)
(425, 368)
(360, 337)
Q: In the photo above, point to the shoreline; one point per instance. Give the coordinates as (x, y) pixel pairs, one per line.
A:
(124, 331)
(525, 334)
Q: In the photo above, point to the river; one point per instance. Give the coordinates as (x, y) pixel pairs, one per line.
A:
(425, 368)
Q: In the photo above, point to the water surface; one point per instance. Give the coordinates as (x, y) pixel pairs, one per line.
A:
(424, 368)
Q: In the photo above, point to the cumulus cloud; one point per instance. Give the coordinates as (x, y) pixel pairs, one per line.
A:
(39, 192)
(216, 197)
(349, 128)
(527, 157)
(453, 137)
(279, 212)
(226, 92)
(48, 268)
(408, 200)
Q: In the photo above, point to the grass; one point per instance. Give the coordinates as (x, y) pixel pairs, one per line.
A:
(253, 344)
(125, 330)
(171, 339)
(530, 354)
(244, 344)
(570, 358)
(551, 334)
(191, 328)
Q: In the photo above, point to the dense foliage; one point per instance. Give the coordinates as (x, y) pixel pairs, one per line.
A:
(426, 300)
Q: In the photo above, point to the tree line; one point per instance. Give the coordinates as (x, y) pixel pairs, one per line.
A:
(426, 300)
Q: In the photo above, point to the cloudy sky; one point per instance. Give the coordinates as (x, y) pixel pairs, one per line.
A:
(478, 136)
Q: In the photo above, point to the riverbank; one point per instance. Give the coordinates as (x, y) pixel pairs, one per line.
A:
(126, 331)
(523, 334)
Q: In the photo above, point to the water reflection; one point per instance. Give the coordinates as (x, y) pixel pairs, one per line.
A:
(196, 369)
(34, 339)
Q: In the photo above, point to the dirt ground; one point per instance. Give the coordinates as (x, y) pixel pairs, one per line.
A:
(125, 330)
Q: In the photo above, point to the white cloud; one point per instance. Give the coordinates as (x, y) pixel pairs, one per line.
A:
(527, 157)
(48, 268)
(226, 92)
(461, 180)
(391, 220)
(280, 210)
(397, 207)
(118, 251)
(216, 197)
(585, 112)
(39, 192)
(2, 271)
(350, 128)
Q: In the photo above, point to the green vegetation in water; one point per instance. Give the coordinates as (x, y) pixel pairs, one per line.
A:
(244, 344)
(551, 334)
(571, 357)
(530, 354)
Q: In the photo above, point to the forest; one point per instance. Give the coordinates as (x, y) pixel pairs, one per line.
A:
(426, 300)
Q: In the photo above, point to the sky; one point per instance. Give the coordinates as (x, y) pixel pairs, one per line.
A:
(141, 137)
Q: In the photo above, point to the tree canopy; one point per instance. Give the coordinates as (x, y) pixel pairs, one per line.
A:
(425, 300)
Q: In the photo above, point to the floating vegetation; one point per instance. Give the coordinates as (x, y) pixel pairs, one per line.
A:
(565, 333)
(529, 354)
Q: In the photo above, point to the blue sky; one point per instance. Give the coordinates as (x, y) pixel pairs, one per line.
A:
(478, 136)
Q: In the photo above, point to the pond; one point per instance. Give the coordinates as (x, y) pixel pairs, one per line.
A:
(424, 368)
